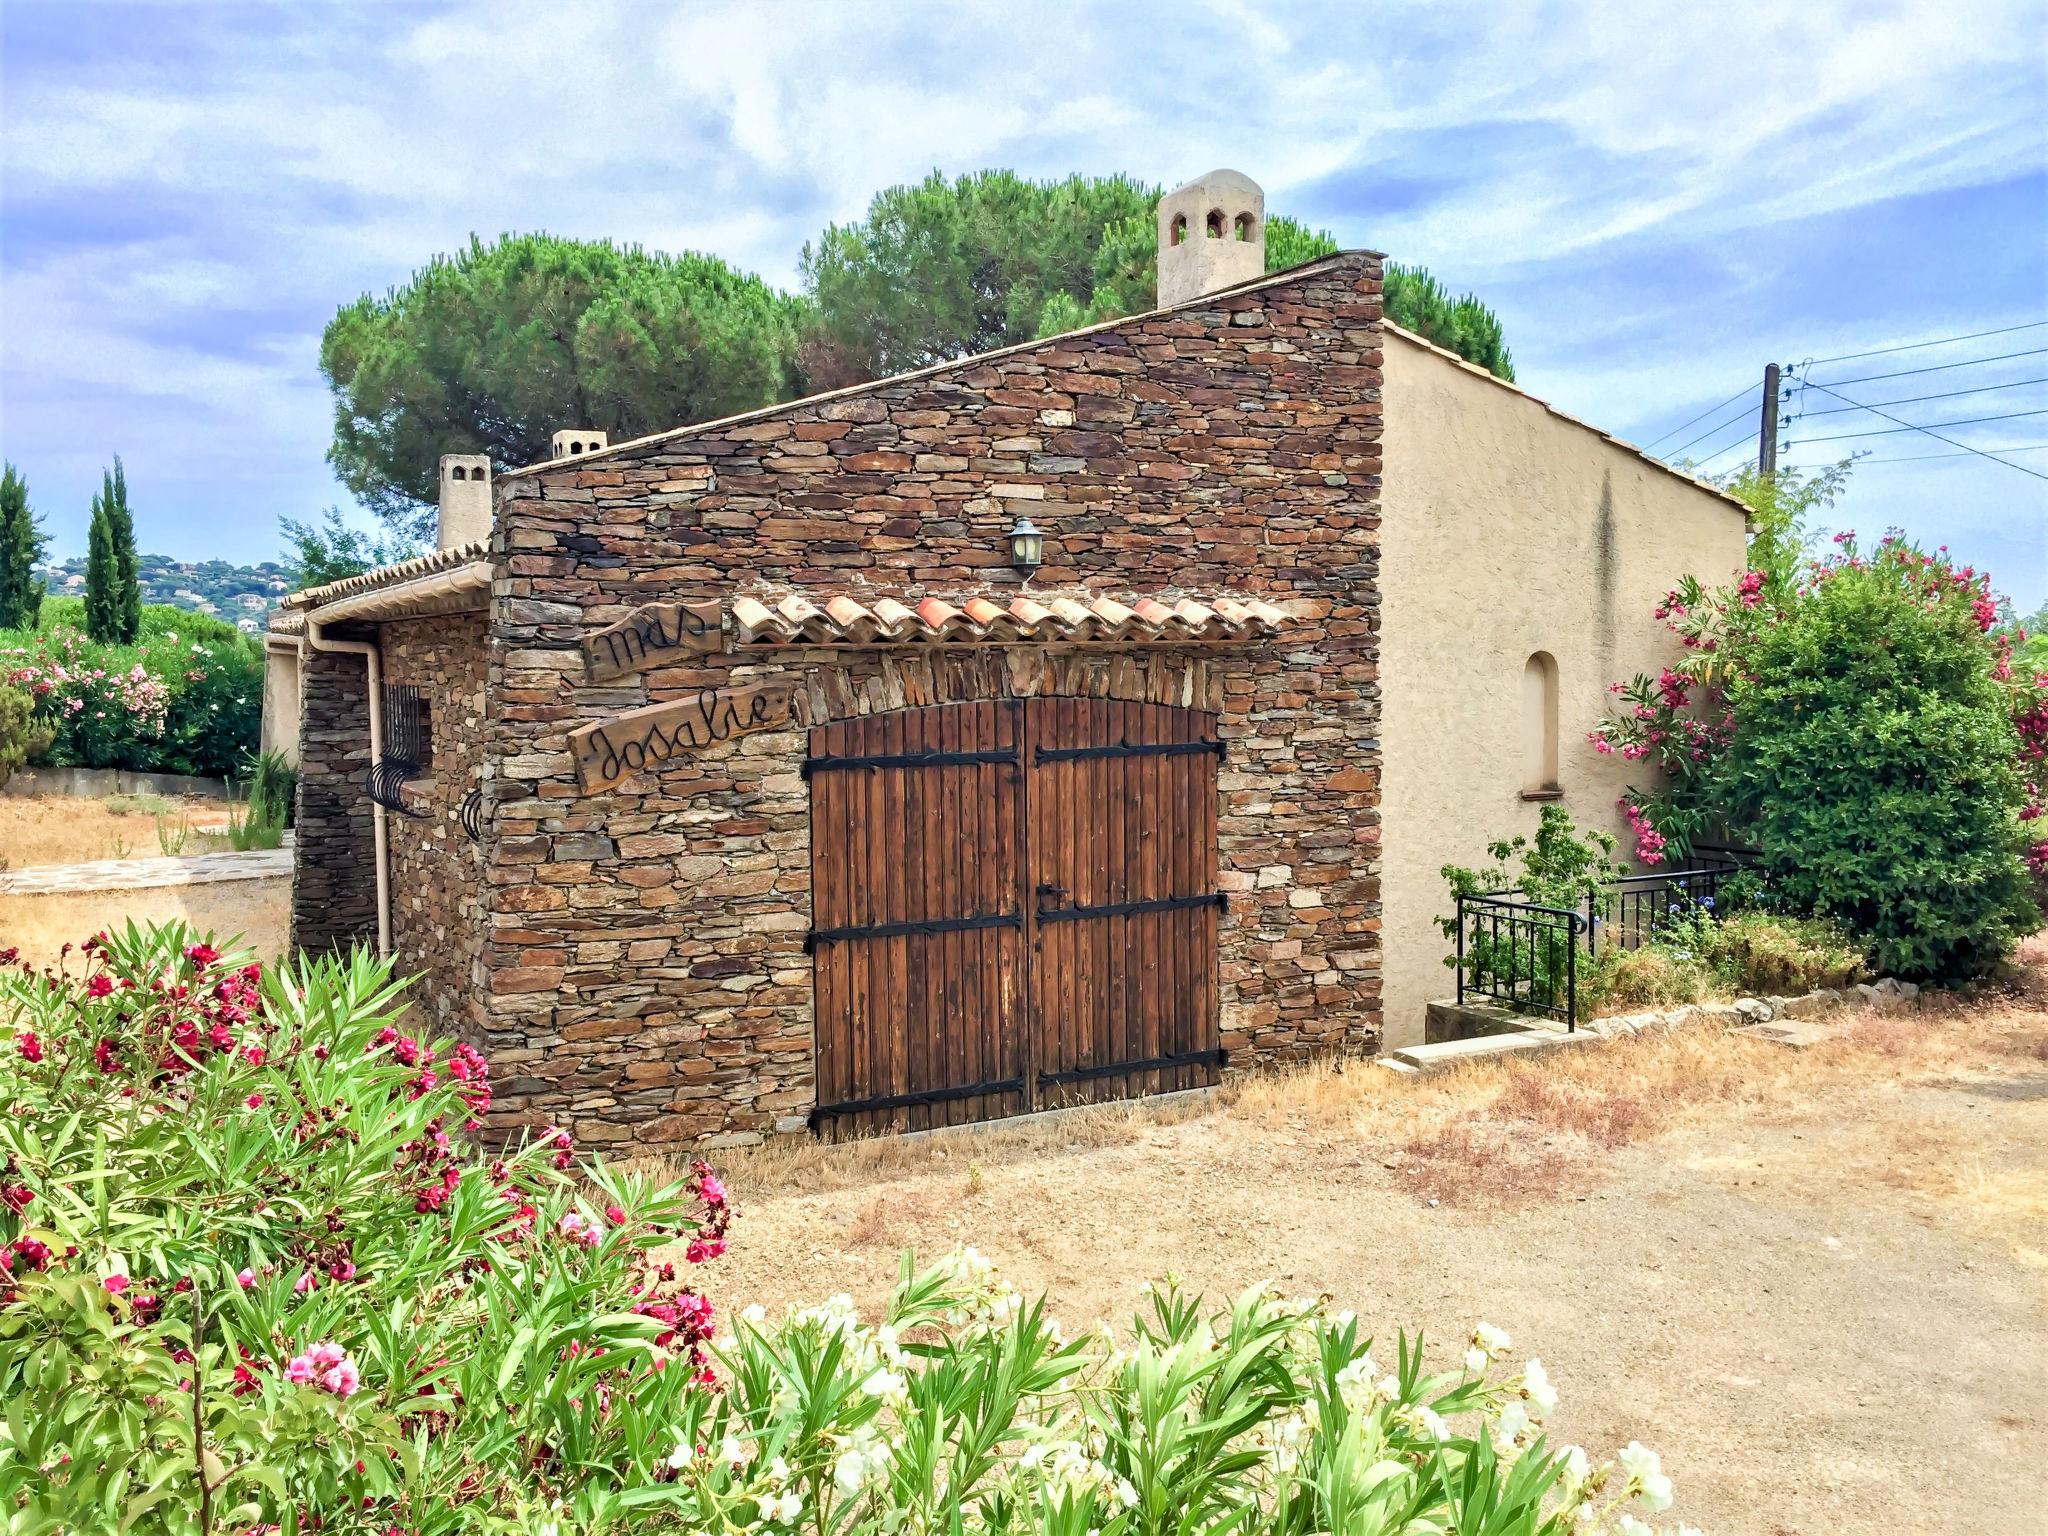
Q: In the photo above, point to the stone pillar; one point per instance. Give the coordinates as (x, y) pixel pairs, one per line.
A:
(334, 880)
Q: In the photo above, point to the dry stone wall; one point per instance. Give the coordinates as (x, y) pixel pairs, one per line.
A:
(645, 981)
(437, 891)
(334, 883)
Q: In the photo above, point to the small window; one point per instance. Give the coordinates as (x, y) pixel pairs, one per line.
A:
(1539, 726)
(1177, 231)
(459, 473)
(1215, 223)
(575, 445)
(1244, 226)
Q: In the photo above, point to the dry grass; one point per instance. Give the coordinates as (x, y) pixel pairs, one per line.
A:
(40, 926)
(1494, 1132)
(60, 829)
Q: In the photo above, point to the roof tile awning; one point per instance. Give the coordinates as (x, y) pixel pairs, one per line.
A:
(845, 621)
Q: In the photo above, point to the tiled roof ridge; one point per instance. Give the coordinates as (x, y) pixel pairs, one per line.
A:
(388, 575)
(795, 619)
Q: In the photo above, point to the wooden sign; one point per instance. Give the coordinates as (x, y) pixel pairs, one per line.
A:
(649, 636)
(616, 749)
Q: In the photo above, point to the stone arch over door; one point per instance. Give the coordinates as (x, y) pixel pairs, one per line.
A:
(1014, 905)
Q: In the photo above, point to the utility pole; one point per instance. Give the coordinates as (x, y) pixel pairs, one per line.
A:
(1767, 430)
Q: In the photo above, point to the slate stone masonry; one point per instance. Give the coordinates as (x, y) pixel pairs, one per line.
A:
(642, 976)
(334, 888)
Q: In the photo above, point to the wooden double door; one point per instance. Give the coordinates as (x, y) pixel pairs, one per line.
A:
(1014, 907)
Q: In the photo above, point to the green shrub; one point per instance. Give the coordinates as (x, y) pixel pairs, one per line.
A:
(1756, 953)
(273, 790)
(1563, 867)
(1617, 980)
(186, 697)
(1874, 762)
(256, 1277)
(22, 736)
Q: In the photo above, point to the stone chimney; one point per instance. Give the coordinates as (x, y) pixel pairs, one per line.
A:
(573, 442)
(1212, 234)
(465, 499)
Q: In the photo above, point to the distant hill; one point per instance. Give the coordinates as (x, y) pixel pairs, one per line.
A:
(241, 594)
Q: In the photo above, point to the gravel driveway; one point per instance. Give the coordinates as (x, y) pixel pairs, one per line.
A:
(1813, 1281)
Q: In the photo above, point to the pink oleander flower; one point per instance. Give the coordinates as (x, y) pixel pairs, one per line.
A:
(115, 1284)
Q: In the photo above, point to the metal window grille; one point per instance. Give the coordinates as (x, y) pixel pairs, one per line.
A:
(405, 749)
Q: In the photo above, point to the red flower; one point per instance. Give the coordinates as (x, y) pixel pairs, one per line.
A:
(99, 986)
(115, 1284)
(30, 1047)
(202, 955)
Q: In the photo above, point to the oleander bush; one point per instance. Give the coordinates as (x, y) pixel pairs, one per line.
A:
(257, 1275)
(186, 697)
(1696, 953)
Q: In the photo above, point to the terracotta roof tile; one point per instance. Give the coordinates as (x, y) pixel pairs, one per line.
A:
(794, 620)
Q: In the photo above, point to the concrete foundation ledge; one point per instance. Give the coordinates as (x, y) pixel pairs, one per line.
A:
(98, 783)
(1456, 1032)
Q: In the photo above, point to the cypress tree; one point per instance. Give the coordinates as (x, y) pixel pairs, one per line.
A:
(100, 572)
(127, 567)
(113, 589)
(21, 549)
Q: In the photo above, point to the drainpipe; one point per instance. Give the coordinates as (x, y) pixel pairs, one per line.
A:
(367, 649)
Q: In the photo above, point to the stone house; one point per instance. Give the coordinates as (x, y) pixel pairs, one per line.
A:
(1081, 719)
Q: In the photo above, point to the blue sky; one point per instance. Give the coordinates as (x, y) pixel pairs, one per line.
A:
(1657, 199)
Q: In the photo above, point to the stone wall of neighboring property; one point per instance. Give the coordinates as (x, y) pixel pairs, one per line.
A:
(437, 907)
(334, 885)
(645, 966)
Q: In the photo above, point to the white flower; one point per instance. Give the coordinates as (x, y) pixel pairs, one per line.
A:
(1537, 1389)
(1491, 1339)
(849, 1472)
(1629, 1525)
(1126, 1495)
(1578, 1466)
(1646, 1475)
(778, 1470)
(1343, 1320)
(755, 1315)
(1514, 1419)
(1433, 1422)
(735, 1452)
(681, 1456)
(1475, 1359)
(885, 1340)
(782, 1508)
(884, 1383)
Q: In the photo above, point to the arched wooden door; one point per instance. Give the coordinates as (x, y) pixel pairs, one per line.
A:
(1014, 907)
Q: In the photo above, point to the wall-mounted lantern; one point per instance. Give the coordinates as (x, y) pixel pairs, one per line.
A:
(1027, 547)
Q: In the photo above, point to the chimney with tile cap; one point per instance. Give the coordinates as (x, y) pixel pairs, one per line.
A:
(1212, 235)
(465, 500)
(573, 442)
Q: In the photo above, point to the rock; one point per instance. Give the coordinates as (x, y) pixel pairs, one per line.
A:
(1755, 1010)
(1909, 992)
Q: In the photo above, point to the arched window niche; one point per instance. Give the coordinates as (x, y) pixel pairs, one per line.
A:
(1539, 727)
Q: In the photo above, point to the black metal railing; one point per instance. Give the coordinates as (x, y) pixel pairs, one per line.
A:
(1520, 954)
(1630, 911)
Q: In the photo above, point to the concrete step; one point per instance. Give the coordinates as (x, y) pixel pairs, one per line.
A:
(1446, 1053)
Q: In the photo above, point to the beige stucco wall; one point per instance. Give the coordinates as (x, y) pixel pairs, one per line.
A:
(1507, 530)
(281, 702)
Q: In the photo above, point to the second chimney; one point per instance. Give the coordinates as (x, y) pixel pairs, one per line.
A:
(465, 500)
(574, 442)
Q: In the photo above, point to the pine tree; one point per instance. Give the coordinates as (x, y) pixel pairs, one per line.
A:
(21, 551)
(127, 572)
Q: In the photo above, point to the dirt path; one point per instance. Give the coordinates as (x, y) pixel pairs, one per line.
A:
(1814, 1282)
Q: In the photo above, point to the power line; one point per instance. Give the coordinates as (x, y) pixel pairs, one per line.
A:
(1908, 426)
(1703, 415)
(1915, 458)
(1718, 427)
(1981, 389)
(1740, 440)
(1972, 362)
(1915, 346)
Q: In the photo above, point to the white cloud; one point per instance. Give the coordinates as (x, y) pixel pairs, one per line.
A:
(282, 163)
